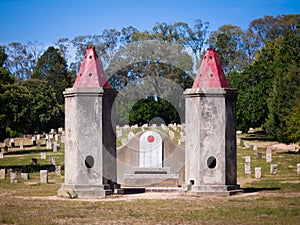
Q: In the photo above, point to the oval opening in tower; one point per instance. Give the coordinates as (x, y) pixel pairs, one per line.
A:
(211, 162)
(89, 161)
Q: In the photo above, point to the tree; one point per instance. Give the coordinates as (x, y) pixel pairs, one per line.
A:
(22, 58)
(286, 88)
(146, 109)
(228, 41)
(45, 111)
(52, 67)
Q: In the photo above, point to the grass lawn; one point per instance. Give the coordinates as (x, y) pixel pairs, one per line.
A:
(273, 199)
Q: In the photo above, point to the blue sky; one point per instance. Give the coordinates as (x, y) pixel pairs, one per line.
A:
(46, 21)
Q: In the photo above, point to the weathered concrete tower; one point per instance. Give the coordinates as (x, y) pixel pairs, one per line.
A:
(90, 145)
(210, 149)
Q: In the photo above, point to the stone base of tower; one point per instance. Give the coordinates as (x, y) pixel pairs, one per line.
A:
(84, 191)
(212, 190)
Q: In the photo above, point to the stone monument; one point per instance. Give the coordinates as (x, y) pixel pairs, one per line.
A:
(90, 141)
(210, 148)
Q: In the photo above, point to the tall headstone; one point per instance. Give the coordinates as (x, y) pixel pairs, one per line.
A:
(90, 145)
(150, 152)
(1, 155)
(21, 145)
(210, 144)
(268, 155)
(43, 155)
(44, 176)
(248, 167)
(257, 172)
(2, 174)
(298, 168)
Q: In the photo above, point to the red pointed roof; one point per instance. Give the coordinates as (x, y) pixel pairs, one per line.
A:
(210, 74)
(91, 73)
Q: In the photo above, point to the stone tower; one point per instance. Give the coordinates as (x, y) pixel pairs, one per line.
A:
(210, 149)
(90, 144)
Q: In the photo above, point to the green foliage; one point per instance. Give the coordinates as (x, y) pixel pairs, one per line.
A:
(146, 109)
(292, 121)
(52, 67)
(3, 55)
(286, 87)
(46, 112)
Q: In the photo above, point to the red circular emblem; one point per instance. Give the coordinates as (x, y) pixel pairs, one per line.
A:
(150, 138)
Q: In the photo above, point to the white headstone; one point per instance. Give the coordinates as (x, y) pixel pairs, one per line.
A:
(247, 159)
(298, 168)
(268, 155)
(58, 170)
(48, 144)
(62, 138)
(12, 142)
(55, 146)
(21, 145)
(150, 150)
(273, 168)
(124, 140)
(44, 176)
(6, 142)
(257, 172)
(119, 133)
(130, 135)
(247, 145)
(52, 160)
(13, 177)
(1, 155)
(255, 147)
(2, 174)
(248, 168)
(38, 137)
(43, 155)
(25, 176)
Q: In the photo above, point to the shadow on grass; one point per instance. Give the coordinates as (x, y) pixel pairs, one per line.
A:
(24, 152)
(290, 152)
(253, 189)
(30, 168)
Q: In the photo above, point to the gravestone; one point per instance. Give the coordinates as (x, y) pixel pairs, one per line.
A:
(150, 150)
(255, 147)
(119, 133)
(257, 172)
(247, 159)
(25, 176)
(6, 143)
(247, 168)
(2, 174)
(124, 140)
(33, 140)
(48, 144)
(21, 145)
(34, 161)
(44, 176)
(130, 135)
(273, 168)
(12, 142)
(268, 155)
(298, 168)
(38, 137)
(62, 139)
(150, 159)
(1, 155)
(54, 146)
(259, 155)
(43, 155)
(13, 177)
(247, 145)
(58, 170)
(52, 160)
